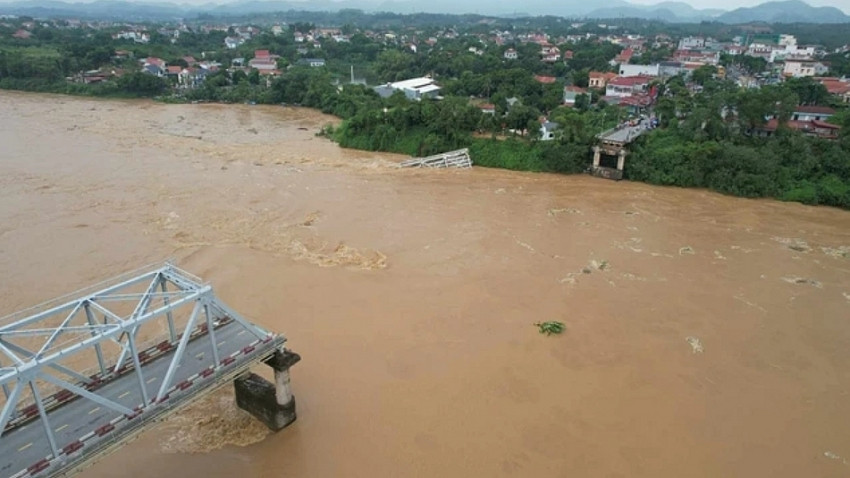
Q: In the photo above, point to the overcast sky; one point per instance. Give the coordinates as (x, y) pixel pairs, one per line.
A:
(733, 4)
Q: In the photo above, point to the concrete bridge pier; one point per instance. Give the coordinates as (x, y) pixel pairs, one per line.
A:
(597, 156)
(621, 160)
(271, 403)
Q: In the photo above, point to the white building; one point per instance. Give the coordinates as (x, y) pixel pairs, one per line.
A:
(639, 70)
(692, 43)
(787, 40)
(547, 130)
(799, 68)
(138, 37)
(511, 54)
(414, 89)
(623, 87)
(233, 42)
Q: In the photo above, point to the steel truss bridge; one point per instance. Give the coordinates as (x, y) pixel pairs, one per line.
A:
(83, 374)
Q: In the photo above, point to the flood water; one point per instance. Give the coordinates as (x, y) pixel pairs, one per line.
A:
(705, 335)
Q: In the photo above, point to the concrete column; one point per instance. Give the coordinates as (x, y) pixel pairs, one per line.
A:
(597, 156)
(281, 361)
(621, 160)
(271, 403)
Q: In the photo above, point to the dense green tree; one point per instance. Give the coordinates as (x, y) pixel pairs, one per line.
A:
(141, 84)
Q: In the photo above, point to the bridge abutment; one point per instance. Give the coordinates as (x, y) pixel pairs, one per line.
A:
(271, 403)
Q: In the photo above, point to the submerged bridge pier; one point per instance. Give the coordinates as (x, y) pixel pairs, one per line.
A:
(82, 375)
(271, 403)
(614, 143)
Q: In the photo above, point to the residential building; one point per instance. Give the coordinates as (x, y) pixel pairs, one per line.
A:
(837, 87)
(640, 70)
(510, 54)
(414, 89)
(571, 93)
(692, 43)
(597, 79)
(233, 42)
(799, 68)
(547, 130)
(812, 113)
(551, 58)
(624, 56)
(699, 57)
(671, 68)
(627, 86)
(820, 129)
(312, 62)
(263, 61)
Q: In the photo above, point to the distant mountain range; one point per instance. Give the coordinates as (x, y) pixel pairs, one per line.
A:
(791, 11)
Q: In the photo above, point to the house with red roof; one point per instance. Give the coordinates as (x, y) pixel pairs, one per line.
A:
(836, 87)
(624, 56)
(820, 129)
(264, 61)
(623, 86)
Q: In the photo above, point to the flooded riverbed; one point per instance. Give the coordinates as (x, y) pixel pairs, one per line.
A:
(705, 335)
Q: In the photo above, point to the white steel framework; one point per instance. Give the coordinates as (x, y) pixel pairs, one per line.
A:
(49, 347)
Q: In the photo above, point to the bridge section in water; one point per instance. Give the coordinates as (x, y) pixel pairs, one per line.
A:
(83, 374)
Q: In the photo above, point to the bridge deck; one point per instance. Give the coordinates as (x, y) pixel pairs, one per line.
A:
(624, 135)
(25, 451)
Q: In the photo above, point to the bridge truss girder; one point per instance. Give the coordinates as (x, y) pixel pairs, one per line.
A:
(40, 349)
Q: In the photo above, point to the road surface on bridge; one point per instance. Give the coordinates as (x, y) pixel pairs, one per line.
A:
(26, 445)
(625, 135)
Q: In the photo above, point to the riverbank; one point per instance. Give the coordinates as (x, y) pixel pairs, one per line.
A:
(687, 153)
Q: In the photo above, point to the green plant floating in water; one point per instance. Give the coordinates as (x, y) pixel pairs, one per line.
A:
(550, 327)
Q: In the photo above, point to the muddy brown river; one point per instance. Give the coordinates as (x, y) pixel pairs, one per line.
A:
(705, 335)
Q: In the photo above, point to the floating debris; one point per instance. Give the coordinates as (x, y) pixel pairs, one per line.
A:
(696, 345)
(453, 159)
(718, 255)
(550, 327)
(841, 252)
(802, 280)
(834, 456)
(686, 250)
(569, 279)
(555, 212)
(525, 245)
(594, 265)
(311, 218)
(793, 243)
